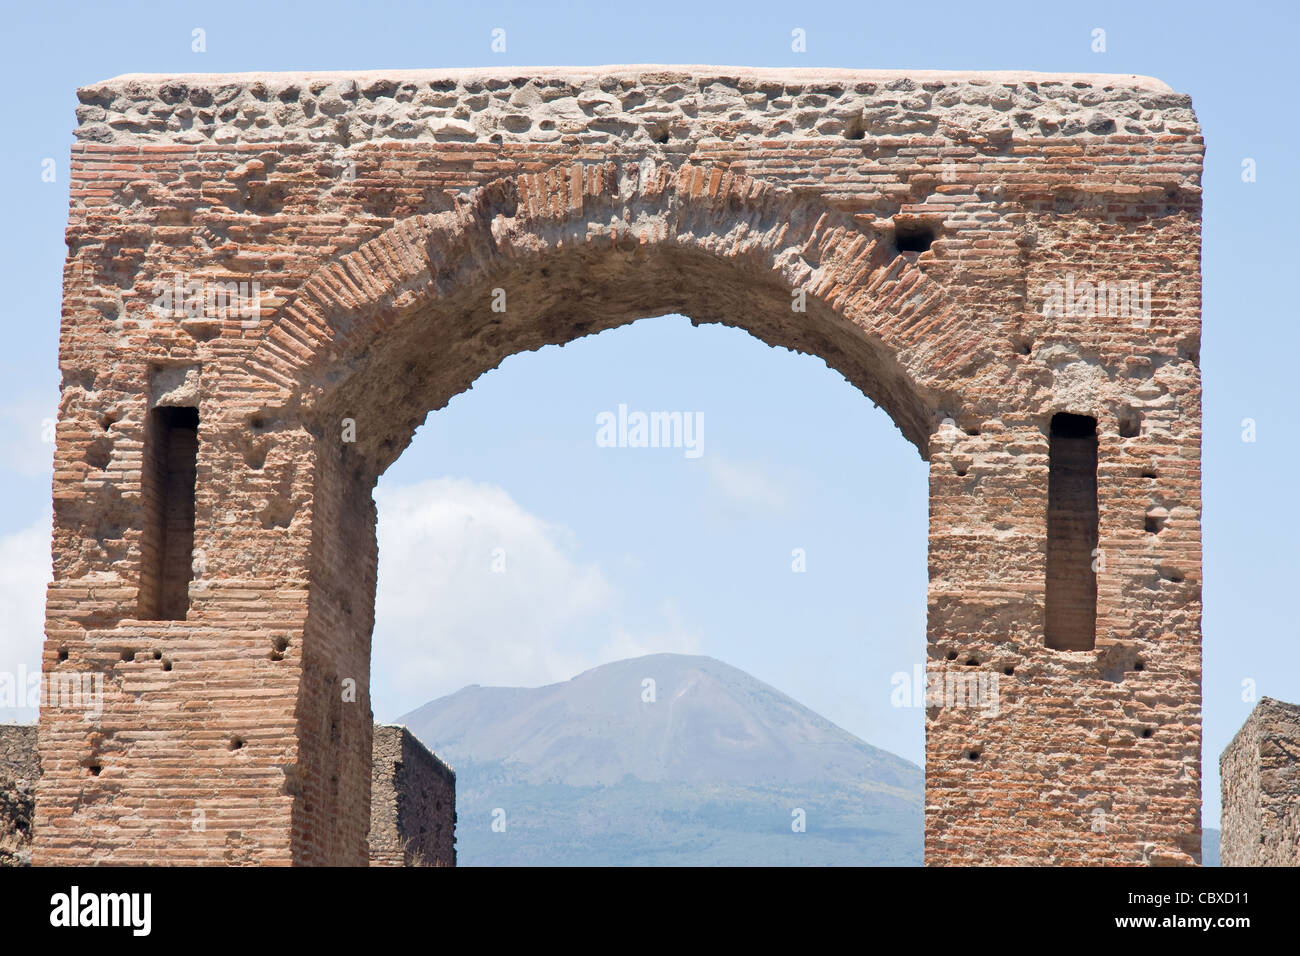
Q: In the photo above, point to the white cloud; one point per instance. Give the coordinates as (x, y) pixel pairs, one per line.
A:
(25, 571)
(445, 618)
(747, 484)
(27, 435)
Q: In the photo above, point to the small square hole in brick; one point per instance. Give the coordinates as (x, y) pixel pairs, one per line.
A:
(914, 236)
(1130, 423)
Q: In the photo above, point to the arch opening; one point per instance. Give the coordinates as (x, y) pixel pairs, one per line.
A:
(767, 567)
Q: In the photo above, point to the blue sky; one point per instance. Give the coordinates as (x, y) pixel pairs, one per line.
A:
(612, 552)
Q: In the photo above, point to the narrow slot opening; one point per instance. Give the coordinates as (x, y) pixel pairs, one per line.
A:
(170, 459)
(1072, 517)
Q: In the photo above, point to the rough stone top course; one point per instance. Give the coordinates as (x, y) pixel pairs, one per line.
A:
(648, 104)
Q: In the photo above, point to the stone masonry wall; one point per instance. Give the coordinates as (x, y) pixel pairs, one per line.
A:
(412, 803)
(20, 769)
(1260, 780)
(312, 262)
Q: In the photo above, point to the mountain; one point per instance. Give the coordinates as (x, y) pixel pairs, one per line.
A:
(667, 759)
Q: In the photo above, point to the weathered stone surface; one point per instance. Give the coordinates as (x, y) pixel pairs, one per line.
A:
(19, 772)
(640, 104)
(924, 223)
(412, 803)
(1260, 780)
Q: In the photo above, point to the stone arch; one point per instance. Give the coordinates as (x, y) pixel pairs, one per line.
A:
(394, 329)
(580, 248)
(560, 190)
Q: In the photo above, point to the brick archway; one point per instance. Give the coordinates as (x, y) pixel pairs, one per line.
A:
(397, 327)
(914, 231)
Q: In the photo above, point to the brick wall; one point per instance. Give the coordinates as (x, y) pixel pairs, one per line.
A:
(372, 217)
(412, 803)
(1260, 780)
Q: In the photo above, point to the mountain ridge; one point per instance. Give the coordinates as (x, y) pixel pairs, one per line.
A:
(702, 706)
(667, 758)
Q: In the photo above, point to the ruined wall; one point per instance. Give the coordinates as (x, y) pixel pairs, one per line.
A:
(1260, 781)
(311, 262)
(412, 803)
(20, 769)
